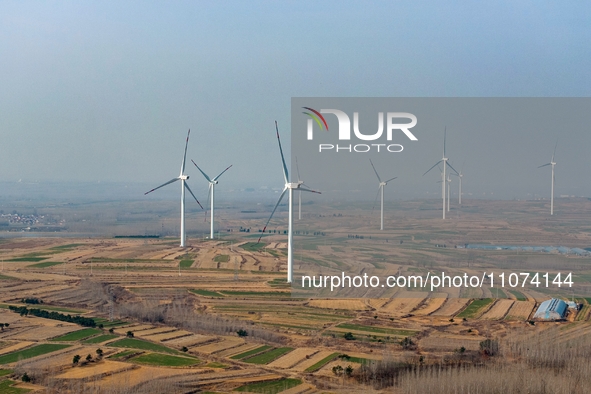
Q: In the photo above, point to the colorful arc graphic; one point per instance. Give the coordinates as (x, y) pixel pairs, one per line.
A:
(317, 116)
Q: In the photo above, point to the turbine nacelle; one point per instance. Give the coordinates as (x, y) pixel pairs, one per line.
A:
(184, 177)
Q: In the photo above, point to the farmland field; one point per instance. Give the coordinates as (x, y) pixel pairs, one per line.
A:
(267, 357)
(142, 345)
(272, 387)
(164, 360)
(31, 352)
(228, 321)
(77, 335)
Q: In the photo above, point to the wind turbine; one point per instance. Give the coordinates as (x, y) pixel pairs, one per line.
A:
(288, 186)
(552, 163)
(443, 178)
(183, 178)
(210, 195)
(381, 189)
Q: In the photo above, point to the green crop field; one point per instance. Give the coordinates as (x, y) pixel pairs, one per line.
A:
(475, 307)
(142, 345)
(77, 335)
(6, 388)
(272, 387)
(123, 354)
(31, 352)
(101, 338)
(250, 352)
(321, 363)
(518, 295)
(221, 258)
(269, 356)
(45, 264)
(253, 246)
(165, 360)
(215, 364)
(279, 283)
(186, 263)
(6, 277)
(28, 259)
(378, 330)
(67, 247)
(4, 372)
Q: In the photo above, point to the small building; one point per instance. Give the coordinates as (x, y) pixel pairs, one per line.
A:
(553, 309)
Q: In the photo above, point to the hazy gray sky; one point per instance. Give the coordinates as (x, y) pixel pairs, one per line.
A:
(106, 91)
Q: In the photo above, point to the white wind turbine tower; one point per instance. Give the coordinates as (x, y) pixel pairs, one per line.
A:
(381, 189)
(443, 178)
(288, 186)
(183, 178)
(448, 187)
(552, 163)
(212, 183)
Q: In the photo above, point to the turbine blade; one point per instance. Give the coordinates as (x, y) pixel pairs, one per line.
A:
(547, 164)
(391, 179)
(374, 170)
(190, 191)
(444, 135)
(274, 209)
(298, 169)
(216, 178)
(376, 199)
(285, 172)
(450, 166)
(434, 165)
(200, 170)
(307, 189)
(164, 184)
(554, 153)
(185, 155)
(207, 204)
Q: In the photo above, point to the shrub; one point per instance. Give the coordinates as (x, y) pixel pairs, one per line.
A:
(337, 370)
(185, 349)
(76, 359)
(349, 370)
(407, 344)
(349, 336)
(242, 333)
(25, 378)
(129, 334)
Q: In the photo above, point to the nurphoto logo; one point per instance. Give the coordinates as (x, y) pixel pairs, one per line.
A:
(344, 133)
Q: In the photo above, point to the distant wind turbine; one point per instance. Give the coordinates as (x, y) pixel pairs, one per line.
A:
(288, 186)
(443, 178)
(552, 163)
(210, 195)
(381, 189)
(183, 178)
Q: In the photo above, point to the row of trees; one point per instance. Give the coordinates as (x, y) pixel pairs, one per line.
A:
(33, 301)
(24, 311)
